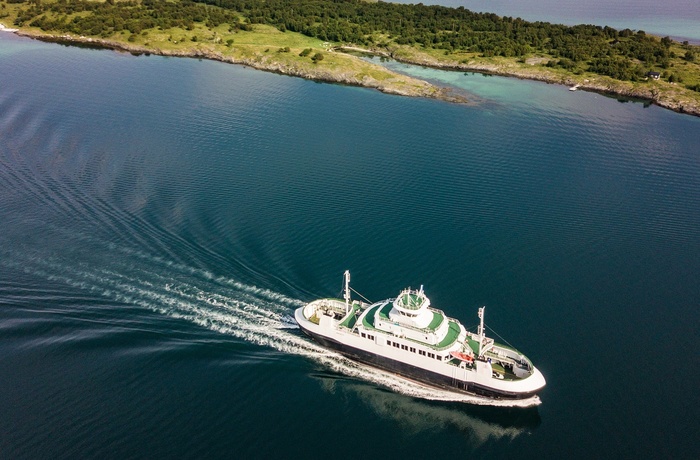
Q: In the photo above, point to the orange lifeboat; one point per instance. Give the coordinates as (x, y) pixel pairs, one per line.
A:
(462, 356)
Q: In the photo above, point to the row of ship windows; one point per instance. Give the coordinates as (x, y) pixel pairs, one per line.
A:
(406, 347)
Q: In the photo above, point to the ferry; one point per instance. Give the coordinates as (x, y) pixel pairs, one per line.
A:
(409, 337)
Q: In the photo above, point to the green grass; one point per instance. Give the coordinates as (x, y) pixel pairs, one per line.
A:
(259, 47)
(533, 67)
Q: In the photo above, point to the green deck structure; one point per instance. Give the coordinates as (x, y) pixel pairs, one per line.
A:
(438, 318)
(368, 319)
(498, 368)
(351, 319)
(437, 321)
(411, 301)
(507, 374)
(473, 344)
(384, 312)
(452, 334)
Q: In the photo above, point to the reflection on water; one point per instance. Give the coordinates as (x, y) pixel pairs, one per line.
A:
(225, 198)
(477, 423)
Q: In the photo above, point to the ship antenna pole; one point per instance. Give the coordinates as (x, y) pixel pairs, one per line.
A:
(481, 328)
(347, 291)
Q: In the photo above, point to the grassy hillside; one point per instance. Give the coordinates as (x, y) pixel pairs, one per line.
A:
(298, 37)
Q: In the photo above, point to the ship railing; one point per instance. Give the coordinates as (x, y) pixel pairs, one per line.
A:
(523, 363)
(506, 353)
(355, 312)
(422, 330)
(459, 338)
(335, 305)
(504, 374)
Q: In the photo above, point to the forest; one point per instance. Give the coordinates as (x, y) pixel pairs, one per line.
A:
(621, 54)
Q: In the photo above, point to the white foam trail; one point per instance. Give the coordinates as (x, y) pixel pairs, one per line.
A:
(229, 307)
(259, 292)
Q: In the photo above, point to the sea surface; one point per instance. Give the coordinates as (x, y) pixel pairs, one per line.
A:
(161, 219)
(679, 19)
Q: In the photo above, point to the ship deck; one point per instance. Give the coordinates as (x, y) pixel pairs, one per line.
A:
(450, 337)
(437, 320)
(351, 319)
(452, 331)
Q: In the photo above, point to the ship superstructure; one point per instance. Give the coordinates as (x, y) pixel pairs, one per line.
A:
(408, 336)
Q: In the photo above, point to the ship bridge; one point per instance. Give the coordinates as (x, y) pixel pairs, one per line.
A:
(410, 308)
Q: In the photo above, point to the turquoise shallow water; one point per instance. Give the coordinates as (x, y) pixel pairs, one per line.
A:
(162, 218)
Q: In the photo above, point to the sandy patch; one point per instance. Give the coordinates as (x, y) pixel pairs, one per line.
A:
(6, 29)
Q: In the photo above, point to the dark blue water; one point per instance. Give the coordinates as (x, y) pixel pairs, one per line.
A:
(160, 220)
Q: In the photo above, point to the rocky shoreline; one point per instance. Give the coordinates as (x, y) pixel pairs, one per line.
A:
(418, 88)
(602, 85)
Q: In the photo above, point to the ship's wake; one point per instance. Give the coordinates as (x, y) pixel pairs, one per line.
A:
(221, 304)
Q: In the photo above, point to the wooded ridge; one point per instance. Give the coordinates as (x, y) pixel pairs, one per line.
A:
(458, 34)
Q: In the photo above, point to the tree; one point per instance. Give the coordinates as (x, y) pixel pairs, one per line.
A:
(317, 57)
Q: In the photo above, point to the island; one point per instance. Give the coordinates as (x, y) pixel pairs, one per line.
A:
(320, 39)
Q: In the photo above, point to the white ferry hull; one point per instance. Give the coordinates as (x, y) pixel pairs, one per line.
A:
(366, 352)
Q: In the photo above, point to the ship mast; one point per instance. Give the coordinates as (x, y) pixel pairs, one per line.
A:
(481, 328)
(347, 291)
